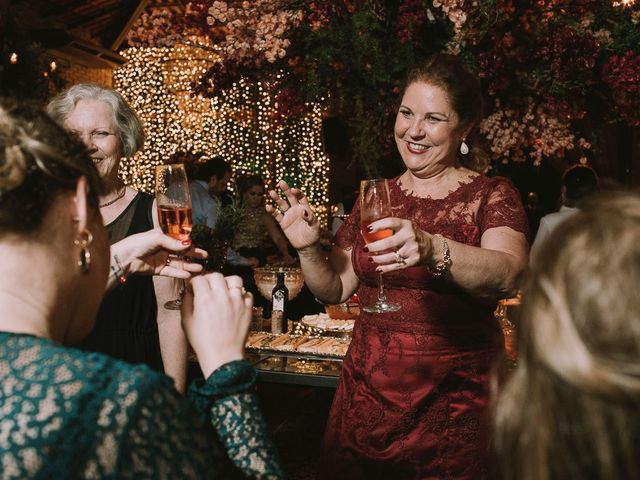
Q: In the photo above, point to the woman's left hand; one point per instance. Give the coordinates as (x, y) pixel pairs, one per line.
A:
(407, 247)
(154, 253)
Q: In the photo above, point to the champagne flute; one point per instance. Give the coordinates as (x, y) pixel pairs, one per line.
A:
(375, 203)
(174, 208)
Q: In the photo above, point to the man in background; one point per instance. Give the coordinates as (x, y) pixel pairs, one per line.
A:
(208, 181)
(578, 182)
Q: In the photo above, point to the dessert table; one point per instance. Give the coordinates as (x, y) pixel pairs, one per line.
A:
(307, 355)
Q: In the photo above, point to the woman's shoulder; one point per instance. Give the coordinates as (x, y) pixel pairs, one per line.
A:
(481, 183)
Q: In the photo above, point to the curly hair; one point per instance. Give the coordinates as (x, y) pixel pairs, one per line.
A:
(38, 160)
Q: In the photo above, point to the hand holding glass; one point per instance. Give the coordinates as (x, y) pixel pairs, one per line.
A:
(375, 204)
(174, 207)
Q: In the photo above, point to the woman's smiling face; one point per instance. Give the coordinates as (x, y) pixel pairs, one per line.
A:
(427, 129)
(91, 120)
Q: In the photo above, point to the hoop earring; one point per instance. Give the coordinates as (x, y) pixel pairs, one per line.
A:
(85, 240)
(464, 148)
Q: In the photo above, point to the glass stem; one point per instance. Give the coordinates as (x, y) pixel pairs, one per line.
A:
(381, 296)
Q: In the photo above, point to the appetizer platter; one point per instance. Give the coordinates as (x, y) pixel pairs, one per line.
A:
(330, 347)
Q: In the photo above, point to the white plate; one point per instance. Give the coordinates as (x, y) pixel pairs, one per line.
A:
(323, 321)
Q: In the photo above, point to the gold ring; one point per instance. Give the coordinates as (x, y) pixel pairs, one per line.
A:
(400, 260)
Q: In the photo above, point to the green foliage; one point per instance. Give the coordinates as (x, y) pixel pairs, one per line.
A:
(217, 240)
(229, 218)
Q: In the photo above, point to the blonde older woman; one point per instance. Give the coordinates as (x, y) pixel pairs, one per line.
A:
(132, 323)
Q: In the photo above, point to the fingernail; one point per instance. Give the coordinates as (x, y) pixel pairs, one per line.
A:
(365, 249)
(379, 270)
(371, 259)
(369, 229)
(186, 242)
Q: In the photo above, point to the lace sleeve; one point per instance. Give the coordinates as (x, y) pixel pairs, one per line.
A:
(169, 439)
(503, 208)
(235, 414)
(348, 232)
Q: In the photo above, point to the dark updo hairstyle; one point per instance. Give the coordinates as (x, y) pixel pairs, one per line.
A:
(38, 161)
(464, 93)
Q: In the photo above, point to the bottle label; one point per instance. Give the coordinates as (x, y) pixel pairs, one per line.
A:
(278, 301)
(277, 319)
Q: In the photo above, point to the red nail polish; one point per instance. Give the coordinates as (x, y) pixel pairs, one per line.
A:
(365, 249)
(370, 259)
(369, 229)
(186, 242)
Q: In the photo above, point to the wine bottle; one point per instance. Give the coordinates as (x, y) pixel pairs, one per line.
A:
(280, 294)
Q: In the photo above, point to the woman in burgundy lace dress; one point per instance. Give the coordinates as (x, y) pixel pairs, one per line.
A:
(412, 399)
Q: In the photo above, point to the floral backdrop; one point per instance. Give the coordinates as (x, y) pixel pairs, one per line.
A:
(546, 65)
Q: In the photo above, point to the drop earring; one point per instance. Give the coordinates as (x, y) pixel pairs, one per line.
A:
(464, 148)
(84, 262)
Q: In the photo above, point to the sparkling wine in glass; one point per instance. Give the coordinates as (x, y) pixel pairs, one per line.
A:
(375, 204)
(174, 207)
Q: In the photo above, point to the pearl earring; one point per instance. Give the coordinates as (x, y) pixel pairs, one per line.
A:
(464, 148)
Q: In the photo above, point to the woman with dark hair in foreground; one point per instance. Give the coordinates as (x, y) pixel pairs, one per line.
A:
(67, 413)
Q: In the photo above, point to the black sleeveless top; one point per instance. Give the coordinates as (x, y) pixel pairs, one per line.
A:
(126, 326)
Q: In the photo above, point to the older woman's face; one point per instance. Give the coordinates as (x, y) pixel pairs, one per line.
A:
(91, 120)
(427, 129)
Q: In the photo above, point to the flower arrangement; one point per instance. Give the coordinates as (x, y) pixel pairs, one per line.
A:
(547, 66)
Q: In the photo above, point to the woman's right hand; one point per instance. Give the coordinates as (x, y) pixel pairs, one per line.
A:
(295, 217)
(216, 317)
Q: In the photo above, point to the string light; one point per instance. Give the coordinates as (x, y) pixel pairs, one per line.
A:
(238, 125)
(13, 58)
(623, 3)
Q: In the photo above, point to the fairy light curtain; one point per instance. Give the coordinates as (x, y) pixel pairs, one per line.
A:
(239, 125)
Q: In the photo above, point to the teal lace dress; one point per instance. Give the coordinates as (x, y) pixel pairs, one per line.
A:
(67, 414)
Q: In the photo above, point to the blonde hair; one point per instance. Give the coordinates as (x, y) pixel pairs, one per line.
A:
(571, 408)
(124, 119)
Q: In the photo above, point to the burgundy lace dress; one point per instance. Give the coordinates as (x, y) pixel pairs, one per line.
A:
(412, 398)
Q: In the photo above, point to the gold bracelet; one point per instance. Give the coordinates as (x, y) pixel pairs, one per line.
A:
(443, 265)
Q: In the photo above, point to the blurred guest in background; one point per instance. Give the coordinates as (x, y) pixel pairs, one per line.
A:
(68, 413)
(578, 182)
(257, 225)
(208, 179)
(132, 323)
(571, 408)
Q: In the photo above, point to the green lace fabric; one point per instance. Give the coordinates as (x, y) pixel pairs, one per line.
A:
(67, 414)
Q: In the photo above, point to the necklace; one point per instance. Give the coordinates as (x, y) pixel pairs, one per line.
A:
(118, 197)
